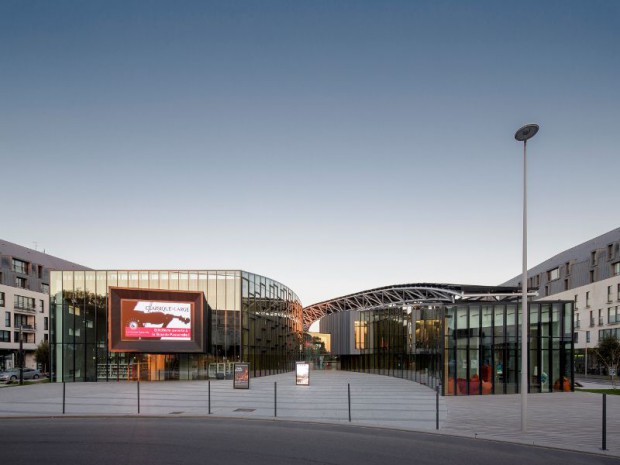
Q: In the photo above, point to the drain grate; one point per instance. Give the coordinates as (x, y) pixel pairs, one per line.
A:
(244, 410)
(175, 413)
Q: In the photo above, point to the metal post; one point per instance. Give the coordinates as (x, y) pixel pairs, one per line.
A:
(524, 310)
(522, 135)
(209, 397)
(349, 392)
(21, 355)
(604, 421)
(275, 399)
(63, 397)
(437, 408)
(138, 392)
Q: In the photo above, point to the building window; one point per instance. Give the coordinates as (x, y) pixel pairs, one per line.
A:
(575, 337)
(7, 319)
(615, 269)
(611, 315)
(587, 336)
(40, 271)
(591, 318)
(600, 317)
(566, 284)
(46, 337)
(576, 300)
(21, 282)
(42, 307)
(546, 290)
(361, 333)
(20, 266)
(46, 324)
(587, 299)
(45, 288)
(591, 276)
(24, 303)
(593, 258)
(20, 320)
(610, 294)
(553, 274)
(1, 299)
(5, 336)
(567, 266)
(618, 292)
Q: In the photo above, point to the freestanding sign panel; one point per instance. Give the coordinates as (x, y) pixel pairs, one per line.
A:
(242, 376)
(302, 373)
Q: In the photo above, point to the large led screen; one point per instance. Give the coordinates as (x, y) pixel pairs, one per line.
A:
(156, 321)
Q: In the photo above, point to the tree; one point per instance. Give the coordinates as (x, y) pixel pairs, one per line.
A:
(608, 352)
(42, 355)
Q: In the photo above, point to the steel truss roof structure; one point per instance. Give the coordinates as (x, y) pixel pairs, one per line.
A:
(409, 294)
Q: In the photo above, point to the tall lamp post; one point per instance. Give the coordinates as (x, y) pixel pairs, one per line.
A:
(523, 135)
(21, 354)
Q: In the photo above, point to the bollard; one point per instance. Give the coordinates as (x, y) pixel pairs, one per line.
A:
(209, 397)
(138, 396)
(63, 397)
(437, 408)
(604, 421)
(275, 399)
(349, 393)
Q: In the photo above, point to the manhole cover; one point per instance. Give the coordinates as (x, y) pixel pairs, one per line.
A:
(245, 410)
(175, 413)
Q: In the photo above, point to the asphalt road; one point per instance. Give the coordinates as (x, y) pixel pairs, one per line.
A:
(155, 441)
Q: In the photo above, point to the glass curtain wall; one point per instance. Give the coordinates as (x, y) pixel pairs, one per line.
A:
(400, 341)
(79, 301)
(272, 327)
(482, 344)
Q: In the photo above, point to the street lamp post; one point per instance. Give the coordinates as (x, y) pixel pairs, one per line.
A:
(21, 355)
(523, 135)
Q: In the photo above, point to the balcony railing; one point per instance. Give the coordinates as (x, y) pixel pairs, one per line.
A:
(23, 308)
(27, 328)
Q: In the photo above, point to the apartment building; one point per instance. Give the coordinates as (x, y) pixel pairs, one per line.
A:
(24, 301)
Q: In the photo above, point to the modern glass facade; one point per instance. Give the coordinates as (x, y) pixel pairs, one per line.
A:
(468, 349)
(400, 341)
(482, 347)
(252, 319)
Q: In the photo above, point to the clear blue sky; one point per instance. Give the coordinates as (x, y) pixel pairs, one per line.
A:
(332, 145)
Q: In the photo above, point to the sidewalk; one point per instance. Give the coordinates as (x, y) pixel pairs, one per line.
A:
(560, 420)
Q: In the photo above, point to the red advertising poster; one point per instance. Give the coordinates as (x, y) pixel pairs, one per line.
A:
(142, 319)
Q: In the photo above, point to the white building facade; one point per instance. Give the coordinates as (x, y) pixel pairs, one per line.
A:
(24, 302)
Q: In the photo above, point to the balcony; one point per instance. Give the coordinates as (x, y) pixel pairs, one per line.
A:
(27, 328)
(24, 309)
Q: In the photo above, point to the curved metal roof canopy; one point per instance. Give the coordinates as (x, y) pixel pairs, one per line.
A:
(408, 294)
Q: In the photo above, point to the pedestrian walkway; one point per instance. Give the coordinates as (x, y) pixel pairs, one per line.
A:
(562, 420)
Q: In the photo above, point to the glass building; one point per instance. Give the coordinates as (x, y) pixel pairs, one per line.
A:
(251, 318)
(464, 338)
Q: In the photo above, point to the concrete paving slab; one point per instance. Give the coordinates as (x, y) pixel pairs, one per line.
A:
(560, 420)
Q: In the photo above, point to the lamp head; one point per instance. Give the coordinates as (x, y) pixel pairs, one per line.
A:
(526, 132)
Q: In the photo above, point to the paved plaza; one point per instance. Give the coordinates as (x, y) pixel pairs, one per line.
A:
(560, 420)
